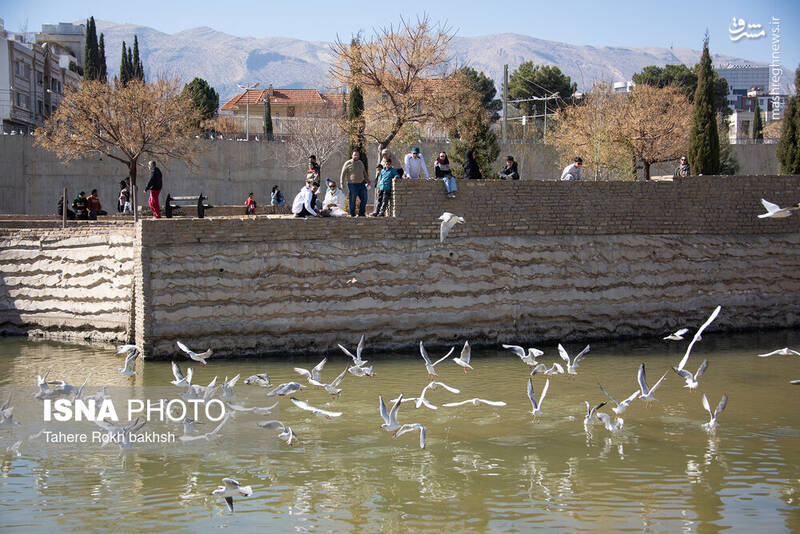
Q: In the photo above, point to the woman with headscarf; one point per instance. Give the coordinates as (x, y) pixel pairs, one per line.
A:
(472, 170)
(442, 170)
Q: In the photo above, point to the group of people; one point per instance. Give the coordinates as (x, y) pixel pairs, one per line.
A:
(83, 207)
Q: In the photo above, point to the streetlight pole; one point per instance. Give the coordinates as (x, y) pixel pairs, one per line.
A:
(247, 108)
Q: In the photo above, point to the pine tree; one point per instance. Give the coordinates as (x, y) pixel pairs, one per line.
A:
(268, 117)
(137, 69)
(704, 138)
(789, 143)
(355, 112)
(758, 125)
(103, 74)
(91, 57)
(124, 73)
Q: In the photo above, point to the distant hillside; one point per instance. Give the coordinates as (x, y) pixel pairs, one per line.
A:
(225, 60)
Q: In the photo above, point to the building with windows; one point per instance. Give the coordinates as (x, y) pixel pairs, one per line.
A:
(32, 81)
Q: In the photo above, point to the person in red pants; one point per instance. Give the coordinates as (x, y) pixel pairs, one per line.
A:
(154, 186)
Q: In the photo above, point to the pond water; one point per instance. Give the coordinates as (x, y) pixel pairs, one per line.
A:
(484, 468)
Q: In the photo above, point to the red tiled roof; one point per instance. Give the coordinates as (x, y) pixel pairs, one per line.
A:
(286, 97)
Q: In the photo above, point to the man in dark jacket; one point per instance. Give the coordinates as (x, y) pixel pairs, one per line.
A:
(154, 186)
(510, 170)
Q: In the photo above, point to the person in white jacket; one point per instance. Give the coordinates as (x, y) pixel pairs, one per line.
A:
(303, 205)
(414, 165)
(333, 204)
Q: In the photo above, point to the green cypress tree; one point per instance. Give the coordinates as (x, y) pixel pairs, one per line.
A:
(137, 70)
(268, 118)
(91, 59)
(355, 112)
(129, 64)
(789, 143)
(124, 73)
(758, 125)
(103, 73)
(704, 138)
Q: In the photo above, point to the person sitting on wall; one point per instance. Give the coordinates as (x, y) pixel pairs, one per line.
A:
(573, 170)
(472, 171)
(93, 203)
(510, 170)
(277, 198)
(250, 205)
(306, 199)
(333, 205)
(682, 170)
(60, 210)
(80, 206)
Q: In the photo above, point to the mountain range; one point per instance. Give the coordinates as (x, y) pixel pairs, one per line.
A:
(225, 60)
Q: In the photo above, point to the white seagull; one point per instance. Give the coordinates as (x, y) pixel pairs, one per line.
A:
(230, 490)
(591, 412)
(6, 414)
(227, 388)
(314, 374)
(261, 379)
(571, 366)
(410, 428)
(448, 222)
(121, 349)
(776, 212)
(431, 367)
(422, 401)
(180, 378)
(646, 393)
(692, 380)
(286, 388)
(712, 423)
(316, 411)
(474, 402)
(208, 435)
(621, 406)
(357, 361)
(528, 357)
(390, 423)
(785, 351)
(615, 426)
(333, 387)
(536, 404)
(201, 357)
(256, 409)
(130, 362)
(556, 369)
(677, 336)
(463, 360)
(361, 371)
(696, 337)
(286, 433)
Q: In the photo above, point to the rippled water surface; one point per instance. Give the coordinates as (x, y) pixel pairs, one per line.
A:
(484, 468)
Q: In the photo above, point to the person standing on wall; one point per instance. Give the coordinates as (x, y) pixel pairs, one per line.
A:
(154, 185)
(414, 165)
(354, 174)
(313, 166)
(250, 205)
(384, 187)
(573, 170)
(472, 171)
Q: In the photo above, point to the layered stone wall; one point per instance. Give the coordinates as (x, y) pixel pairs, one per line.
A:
(71, 283)
(534, 261)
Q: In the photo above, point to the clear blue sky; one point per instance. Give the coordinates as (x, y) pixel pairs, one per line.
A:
(679, 23)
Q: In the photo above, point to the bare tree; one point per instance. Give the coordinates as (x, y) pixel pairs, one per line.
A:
(123, 123)
(320, 134)
(403, 72)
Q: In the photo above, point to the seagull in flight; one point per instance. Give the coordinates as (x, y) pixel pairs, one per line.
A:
(571, 366)
(463, 360)
(422, 401)
(556, 369)
(527, 357)
(615, 426)
(201, 357)
(390, 423)
(130, 362)
(357, 361)
(692, 381)
(621, 406)
(180, 378)
(361, 371)
(316, 411)
(677, 336)
(286, 433)
(231, 489)
(431, 367)
(591, 412)
(258, 380)
(410, 428)
(474, 402)
(333, 387)
(712, 423)
(645, 392)
(536, 404)
(6, 414)
(776, 212)
(256, 409)
(448, 222)
(785, 351)
(314, 374)
(286, 388)
(697, 337)
(227, 388)
(208, 435)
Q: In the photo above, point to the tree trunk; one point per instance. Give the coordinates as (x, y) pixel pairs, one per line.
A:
(646, 168)
(132, 176)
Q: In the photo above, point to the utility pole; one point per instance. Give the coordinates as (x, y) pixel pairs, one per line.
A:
(505, 104)
(247, 107)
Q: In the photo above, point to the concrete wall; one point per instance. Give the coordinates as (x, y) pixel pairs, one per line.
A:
(73, 283)
(32, 179)
(534, 261)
